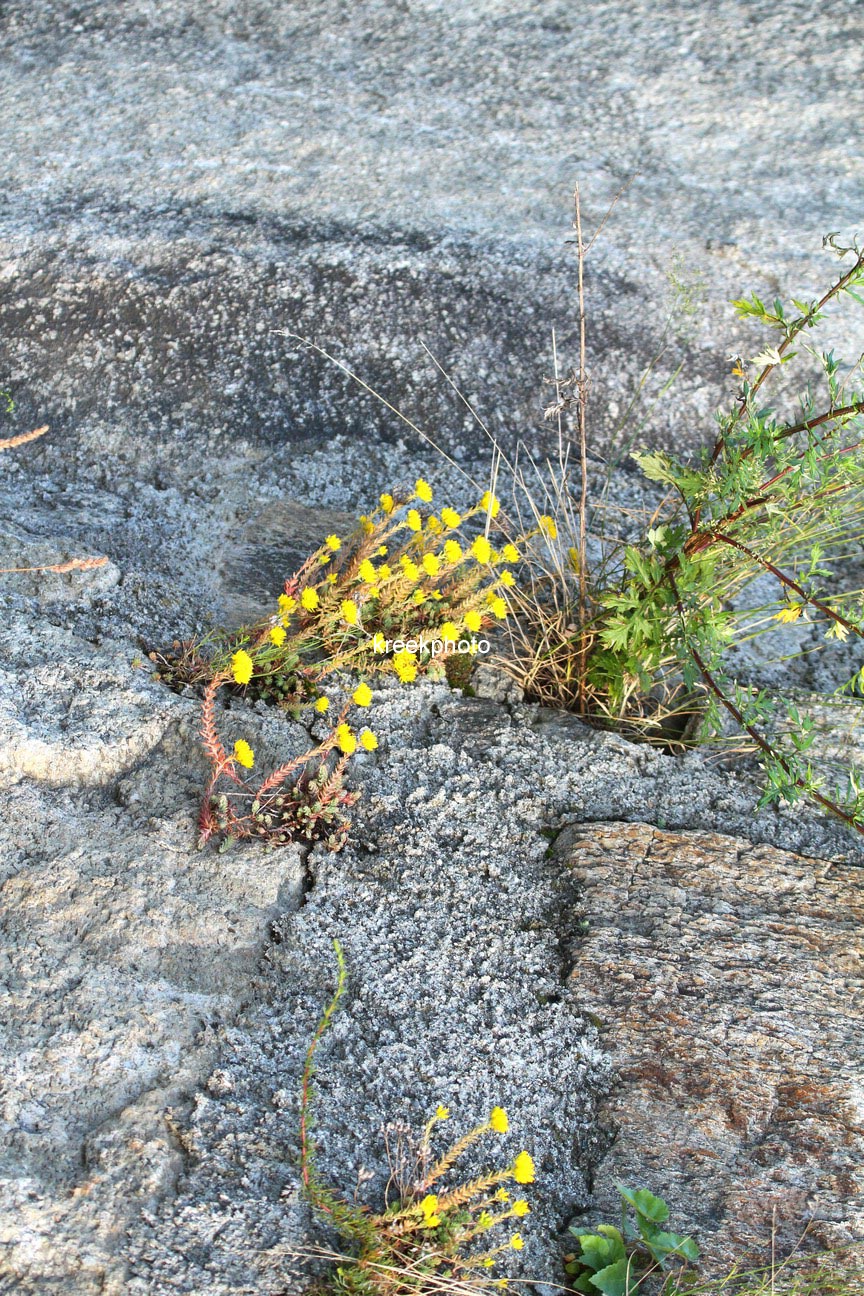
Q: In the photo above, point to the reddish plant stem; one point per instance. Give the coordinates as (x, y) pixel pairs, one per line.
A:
(787, 581)
(760, 742)
(838, 287)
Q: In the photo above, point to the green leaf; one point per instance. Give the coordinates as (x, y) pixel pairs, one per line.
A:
(613, 1280)
(753, 307)
(597, 1252)
(656, 467)
(583, 1282)
(614, 1236)
(662, 1245)
(645, 1203)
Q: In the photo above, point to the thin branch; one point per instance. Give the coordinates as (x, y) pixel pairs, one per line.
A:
(832, 292)
(787, 581)
(748, 728)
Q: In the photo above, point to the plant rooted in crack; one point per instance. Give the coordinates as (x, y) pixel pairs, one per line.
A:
(641, 640)
(303, 800)
(435, 1239)
(619, 1261)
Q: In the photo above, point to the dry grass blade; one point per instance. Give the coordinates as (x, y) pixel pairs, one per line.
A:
(9, 443)
(74, 564)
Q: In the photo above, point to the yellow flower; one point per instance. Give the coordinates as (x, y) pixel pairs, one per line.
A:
(242, 667)
(499, 608)
(790, 613)
(501, 1283)
(510, 553)
(333, 543)
(418, 597)
(507, 578)
(322, 704)
(433, 525)
(384, 572)
(349, 611)
(429, 1207)
(368, 740)
(498, 1120)
(423, 490)
(379, 643)
(411, 570)
(345, 739)
(521, 1208)
(362, 695)
(490, 504)
(277, 636)
(450, 518)
(309, 599)
(548, 527)
(488, 1262)
(405, 665)
(431, 564)
(366, 571)
(473, 621)
(502, 1195)
(516, 1242)
(485, 1220)
(287, 605)
(523, 1169)
(481, 549)
(331, 579)
(367, 526)
(381, 551)
(387, 503)
(413, 519)
(243, 753)
(449, 630)
(324, 559)
(437, 595)
(442, 1113)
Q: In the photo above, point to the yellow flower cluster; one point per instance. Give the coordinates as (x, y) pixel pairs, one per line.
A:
(464, 1213)
(404, 589)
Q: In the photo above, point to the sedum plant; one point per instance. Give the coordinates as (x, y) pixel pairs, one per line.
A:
(408, 587)
(436, 1239)
(405, 592)
(303, 800)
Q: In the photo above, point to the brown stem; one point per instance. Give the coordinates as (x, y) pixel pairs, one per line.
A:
(9, 443)
(787, 342)
(760, 742)
(323, 749)
(787, 581)
(827, 417)
(720, 443)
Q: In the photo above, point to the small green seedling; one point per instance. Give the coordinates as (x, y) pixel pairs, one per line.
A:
(616, 1261)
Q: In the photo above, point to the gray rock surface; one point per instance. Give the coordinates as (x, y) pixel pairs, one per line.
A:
(182, 185)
